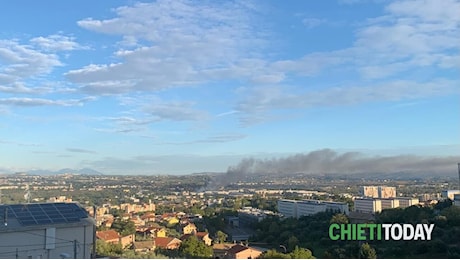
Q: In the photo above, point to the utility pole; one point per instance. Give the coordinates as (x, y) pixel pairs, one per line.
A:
(94, 231)
(75, 249)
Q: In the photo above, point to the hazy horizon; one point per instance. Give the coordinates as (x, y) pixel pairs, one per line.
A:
(178, 86)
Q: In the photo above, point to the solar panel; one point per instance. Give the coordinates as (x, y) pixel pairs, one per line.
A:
(45, 213)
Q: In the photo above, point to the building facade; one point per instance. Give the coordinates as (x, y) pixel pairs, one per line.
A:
(405, 202)
(378, 191)
(46, 230)
(288, 208)
(449, 194)
(299, 208)
(368, 205)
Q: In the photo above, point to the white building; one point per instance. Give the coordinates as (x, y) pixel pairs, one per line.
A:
(389, 203)
(299, 208)
(405, 202)
(449, 194)
(456, 200)
(378, 191)
(337, 207)
(288, 208)
(45, 230)
(309, 207)
(249, 216)
(368, 205)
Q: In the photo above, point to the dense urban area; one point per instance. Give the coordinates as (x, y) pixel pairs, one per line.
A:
(206, 215)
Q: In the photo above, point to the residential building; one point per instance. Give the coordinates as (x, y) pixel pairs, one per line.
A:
(167, 242)
(389, 203)
(370, 191)
(158, 232)
(299, 208)
(405, 202)
(188, 228)
(456, 200)
(337, 207)
(113, 237)
(46, 230)
(368, 205)
(144, 246)
(288, 208)
(109, 236)
(243, 252)
(201, 236)
(378, 191)
(248, 216)
(309, 207)
(449, 194)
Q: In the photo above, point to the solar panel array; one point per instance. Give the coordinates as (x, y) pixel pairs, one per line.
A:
(44, 213)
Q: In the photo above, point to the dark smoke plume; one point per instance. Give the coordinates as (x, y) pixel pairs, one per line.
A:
(330, 162)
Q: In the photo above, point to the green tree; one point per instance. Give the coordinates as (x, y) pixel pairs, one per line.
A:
(221, 236)
(292, 242)
(193, 248)
(301, 253)
(452, 214)
(367, 252)
(273, 254)
(124, 227)
(107, 249)
(339, 219)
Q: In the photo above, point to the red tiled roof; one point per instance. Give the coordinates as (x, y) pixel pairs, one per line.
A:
(201, 234)
(107, 235)
(236, 249)
(163, 242)
(184, 237)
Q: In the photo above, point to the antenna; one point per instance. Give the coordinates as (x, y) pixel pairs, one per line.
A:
(27, 194)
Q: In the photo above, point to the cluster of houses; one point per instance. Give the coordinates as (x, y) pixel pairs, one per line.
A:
(152, 231)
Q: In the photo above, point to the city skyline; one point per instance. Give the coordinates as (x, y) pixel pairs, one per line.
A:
(129, 87)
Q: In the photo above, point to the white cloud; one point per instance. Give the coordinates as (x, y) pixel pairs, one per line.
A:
(258, 102)
(184, 43)
(57, 42)
(33, 102)
(21, 61)
(224, 138)
(175, 111)
(79, 150)
(313, 22)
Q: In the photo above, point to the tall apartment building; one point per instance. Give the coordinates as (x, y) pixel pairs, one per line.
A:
(378, 191)
(456, 200)
(449, 194)
(299, 208)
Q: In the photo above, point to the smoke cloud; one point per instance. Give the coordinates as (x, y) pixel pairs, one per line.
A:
(329, 161)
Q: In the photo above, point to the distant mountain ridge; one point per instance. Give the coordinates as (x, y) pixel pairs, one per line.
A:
(83, 171)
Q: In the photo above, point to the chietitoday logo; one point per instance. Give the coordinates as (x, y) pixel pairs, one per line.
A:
(380, 231)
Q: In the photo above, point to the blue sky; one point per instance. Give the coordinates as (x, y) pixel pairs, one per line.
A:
(129, 87)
